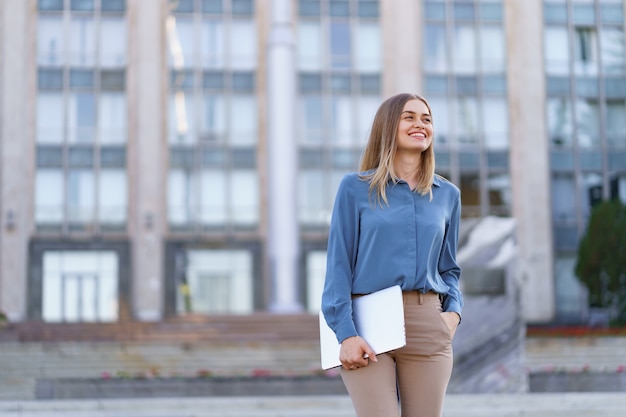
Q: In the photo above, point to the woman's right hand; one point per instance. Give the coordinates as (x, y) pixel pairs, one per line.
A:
(355, 353)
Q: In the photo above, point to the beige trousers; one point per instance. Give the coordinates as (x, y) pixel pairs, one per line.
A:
(411, 381)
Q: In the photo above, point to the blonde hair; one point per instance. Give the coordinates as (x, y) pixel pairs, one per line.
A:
(381, 148)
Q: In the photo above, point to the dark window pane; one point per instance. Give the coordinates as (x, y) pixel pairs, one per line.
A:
(112, 157)
(339, 8)
(590, 160)
(113, 5)
(311, 158)
(309, 8)
(213, 80)
(213, 157)
(310, 83)
(587, 87)
(182, 80)
(370, 84)
(81, 157)
(555, 13)
(558, 86)
(463, 11)
(615, 87)
(340, 83)
(49, 156)
(50, 79)
(617, 160)
(184, 6)
(343, 158)
(469, 160)
(491, 12)
(243, 7)
(612, 13)
(435, 11)
(583, 14)
(368, 9)
(50, 5)
(181, 157)
(498, 160)
(561, 161)
(212, 6)
(494, 84)
(81, 78)
(436, 84)
(443, 160)
(466, 85)
(243, 81)
(81, 5)
(566, 238)
(113, 80)
(244, 158)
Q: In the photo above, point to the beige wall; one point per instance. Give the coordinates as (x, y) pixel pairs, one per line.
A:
(529, 160)
(147, 153)
(17, 117)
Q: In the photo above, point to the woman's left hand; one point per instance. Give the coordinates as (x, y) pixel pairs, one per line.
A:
(452, 320)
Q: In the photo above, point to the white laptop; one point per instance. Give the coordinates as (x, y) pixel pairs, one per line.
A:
(379, 319)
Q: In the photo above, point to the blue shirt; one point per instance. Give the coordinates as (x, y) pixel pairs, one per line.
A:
(411, 242)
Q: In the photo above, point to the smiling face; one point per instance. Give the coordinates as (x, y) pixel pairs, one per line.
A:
(415, 130)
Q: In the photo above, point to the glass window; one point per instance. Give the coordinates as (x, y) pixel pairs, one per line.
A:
(309, 46)
(492, 49)
(585, 51)
(341, 119)
(583, 14)
(464, 50)
(315, 277)
(50, 117)
(82, 41)
(50, 42)
(591, 192)
(616, 123)
(50, 5)
(441, 120)
(113, 5)
(571, 295)
(80, 286)
(243, 45)
(212, 6)
(244, 204)
(556, 49)
(367, 47)
(563, 199)
(560, 121)
(311, 118)
(555, 13)
(81, 5)
(212, 43)
(220, 281)
(181, 120)
(496, 123)
(213, 118)
(470, 194)
(587, 123)
(340, 49)
(112, 42)
(243, 120)
(365, 116)
(435, 48)
(467, 120)
(311, 204)
(181, 41)
(612, 53)
(48, 196)
(112, 117)
(112, 196)
(213, 209)
(81, 117)
(80, 196)
(612, 13)
(500, 196)
(182, 194)
(242, 7)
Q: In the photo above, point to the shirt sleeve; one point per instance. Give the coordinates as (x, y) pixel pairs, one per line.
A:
(449, 270)
(341, 257)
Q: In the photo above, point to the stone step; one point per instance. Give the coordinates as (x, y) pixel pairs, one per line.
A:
(482, 405)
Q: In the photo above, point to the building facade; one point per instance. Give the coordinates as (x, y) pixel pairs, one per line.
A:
(161, 158)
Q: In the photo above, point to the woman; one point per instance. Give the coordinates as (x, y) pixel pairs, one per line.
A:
(396, 223)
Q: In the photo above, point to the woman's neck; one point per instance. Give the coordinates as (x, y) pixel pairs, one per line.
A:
(407, 168)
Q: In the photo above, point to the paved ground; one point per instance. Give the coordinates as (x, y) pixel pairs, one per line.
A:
(497, 405)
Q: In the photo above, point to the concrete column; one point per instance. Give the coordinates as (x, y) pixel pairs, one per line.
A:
(529, 159)
(17, 120)
(402, 46)
(283, 239)
(147, 153)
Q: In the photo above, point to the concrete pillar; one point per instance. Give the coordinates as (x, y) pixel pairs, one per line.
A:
(530, 156)
(147, 153)
(402, 46)
(17, 120)
(283, 239)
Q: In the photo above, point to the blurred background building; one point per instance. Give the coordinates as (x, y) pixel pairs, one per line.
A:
(160, 158)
